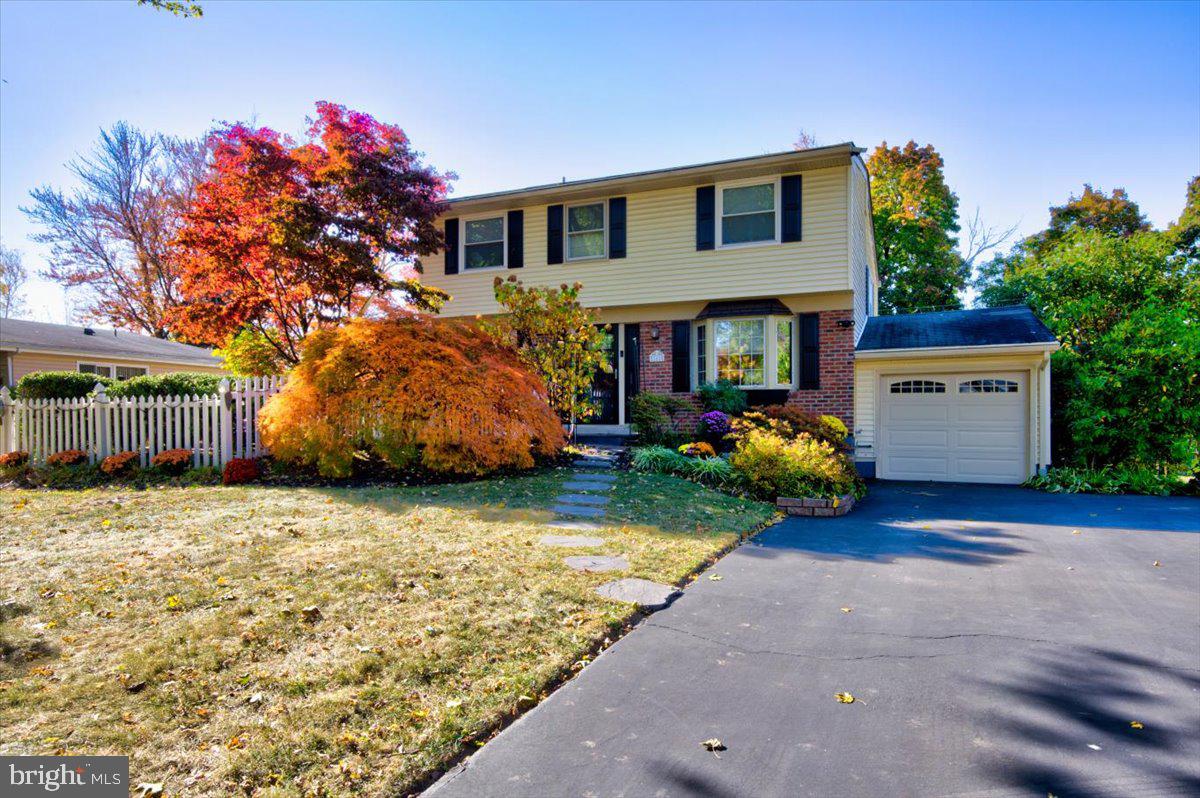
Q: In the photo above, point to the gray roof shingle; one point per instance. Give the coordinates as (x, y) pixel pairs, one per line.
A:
(117, 344)
(981, 327)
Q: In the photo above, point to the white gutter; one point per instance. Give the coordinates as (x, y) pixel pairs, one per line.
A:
(77, 353)
(935, 351)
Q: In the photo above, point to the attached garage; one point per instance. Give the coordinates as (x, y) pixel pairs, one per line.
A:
(961, 396)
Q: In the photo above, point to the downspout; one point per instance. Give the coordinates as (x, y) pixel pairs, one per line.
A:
(1044, 412)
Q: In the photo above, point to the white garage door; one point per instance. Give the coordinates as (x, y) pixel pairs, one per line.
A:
(955, 428)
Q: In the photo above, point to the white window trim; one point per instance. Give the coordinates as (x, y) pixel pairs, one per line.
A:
(720, 212)
(567, 230)
(770, 351)
(462, 242)
(112, 368)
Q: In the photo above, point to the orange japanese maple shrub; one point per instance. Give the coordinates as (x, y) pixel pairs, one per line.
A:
(415, 392)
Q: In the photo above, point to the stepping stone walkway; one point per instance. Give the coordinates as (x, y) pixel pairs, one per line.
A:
(646, 594)
(571, 541)
(597, 563)
(583, 498)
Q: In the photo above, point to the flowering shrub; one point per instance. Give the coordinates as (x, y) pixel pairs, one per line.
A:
(698, 449)
(791, 423)
(173, 461)
(119, 464)
(14, 459)
(239, 470)
(70, 457)
(411, 391)
(804, 466)
(714, 425)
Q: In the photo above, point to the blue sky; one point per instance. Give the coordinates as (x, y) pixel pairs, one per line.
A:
(1025, 101)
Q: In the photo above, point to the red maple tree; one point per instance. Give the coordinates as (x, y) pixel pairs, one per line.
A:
(285, 238)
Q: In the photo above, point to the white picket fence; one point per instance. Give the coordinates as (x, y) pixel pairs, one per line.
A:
(217, 428)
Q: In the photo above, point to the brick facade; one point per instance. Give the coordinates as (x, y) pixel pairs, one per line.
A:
(834, 397)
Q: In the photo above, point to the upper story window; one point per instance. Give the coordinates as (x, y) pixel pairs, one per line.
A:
(483, 243)
(585, 231)
(748, 212)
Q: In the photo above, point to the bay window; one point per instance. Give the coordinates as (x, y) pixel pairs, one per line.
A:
(751, 352)
(483, 243)
(585, 231)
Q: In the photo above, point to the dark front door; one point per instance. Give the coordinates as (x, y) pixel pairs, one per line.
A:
(633, 367)
(604, 383)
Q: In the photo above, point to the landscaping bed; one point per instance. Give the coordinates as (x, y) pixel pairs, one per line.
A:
(269, 640)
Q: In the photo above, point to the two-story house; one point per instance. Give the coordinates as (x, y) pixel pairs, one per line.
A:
(762, 271)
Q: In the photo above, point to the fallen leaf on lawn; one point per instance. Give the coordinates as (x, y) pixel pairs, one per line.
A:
(255, 699)
(844, 698)
(149, 790)
(453, 703)
(715, 577)
(847, 609)
(235, 742)
(311, 614)
(1137, 724)
(106, 523)
(174, 602)
(713, 744)
(1157, 564)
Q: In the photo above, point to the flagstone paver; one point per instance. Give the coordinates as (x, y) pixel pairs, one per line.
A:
(597, 563)
(577, 526)
(582, 498)
(571, 541)
(587, 511)
(643, 592)
(588, 485)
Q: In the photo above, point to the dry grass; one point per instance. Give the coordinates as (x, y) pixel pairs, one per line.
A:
(169, 624)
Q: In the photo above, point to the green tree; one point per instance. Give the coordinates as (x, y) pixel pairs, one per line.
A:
(555, 336)
(1092, 210)
(179, 8)
(1127, 311)
(250, 353)
(915, 217)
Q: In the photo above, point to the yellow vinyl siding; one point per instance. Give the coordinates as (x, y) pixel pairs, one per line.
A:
(663, 265)
(861, 245)
(27, 362)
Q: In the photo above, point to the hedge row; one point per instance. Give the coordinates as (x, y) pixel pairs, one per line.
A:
(74, 385)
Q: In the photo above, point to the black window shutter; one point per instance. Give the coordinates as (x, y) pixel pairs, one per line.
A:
(681, 357)
(516, 239)
(616, 227)
(810, 350)
(452, 246)
(792, 195)
(554, 234)
(706, 209)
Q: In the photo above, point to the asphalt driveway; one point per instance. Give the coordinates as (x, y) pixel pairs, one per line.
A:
(999, 642)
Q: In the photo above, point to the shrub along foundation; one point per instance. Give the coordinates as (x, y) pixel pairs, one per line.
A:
(823, 508)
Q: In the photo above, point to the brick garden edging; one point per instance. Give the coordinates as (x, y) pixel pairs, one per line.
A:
(823, 508)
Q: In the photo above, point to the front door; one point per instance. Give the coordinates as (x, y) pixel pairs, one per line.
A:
(632, 360)
(605, 384)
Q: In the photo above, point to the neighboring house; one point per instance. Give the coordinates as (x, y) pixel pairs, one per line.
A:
(28, 346)
(762, 270)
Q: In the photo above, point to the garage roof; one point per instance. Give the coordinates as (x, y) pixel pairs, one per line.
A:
(954, 328)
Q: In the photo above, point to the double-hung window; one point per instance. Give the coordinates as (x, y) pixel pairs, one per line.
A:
(483, 243)
(751, 352)
(749, 212)
(108, 370)
(586, 231)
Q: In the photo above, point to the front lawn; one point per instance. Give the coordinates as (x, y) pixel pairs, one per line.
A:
(282, 641)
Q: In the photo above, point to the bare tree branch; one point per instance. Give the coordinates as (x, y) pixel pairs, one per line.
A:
(981, 238)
